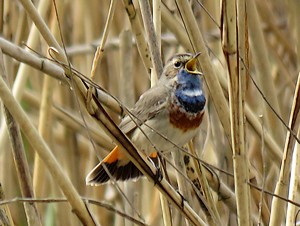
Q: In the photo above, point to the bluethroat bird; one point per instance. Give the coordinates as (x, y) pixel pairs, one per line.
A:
(171, 109)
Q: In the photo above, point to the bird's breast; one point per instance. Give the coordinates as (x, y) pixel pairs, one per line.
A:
(186, 108)
(183, 120)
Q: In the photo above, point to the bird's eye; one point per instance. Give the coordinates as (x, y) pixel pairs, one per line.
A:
(177, 64)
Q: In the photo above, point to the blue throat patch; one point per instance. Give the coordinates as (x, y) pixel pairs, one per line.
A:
(189, 83)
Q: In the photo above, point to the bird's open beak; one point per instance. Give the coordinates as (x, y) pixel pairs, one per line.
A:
(191, 65)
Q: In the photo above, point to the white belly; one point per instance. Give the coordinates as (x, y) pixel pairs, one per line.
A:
(164, 137)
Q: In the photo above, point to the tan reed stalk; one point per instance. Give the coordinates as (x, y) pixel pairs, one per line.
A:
(138, 31)
(242, 57)
(100, 48)
(151, 38)
(239, 81)
(234, 43)
(294, 183)
(156, 9)
(166, 211)
(264, 78)
(293, 186)
(1, 15)
(32, 60)
(20, 159)
(284, 177)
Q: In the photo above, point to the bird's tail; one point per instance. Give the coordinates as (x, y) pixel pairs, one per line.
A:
(118, 166)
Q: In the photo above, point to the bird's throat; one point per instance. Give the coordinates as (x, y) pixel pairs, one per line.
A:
(192, 101)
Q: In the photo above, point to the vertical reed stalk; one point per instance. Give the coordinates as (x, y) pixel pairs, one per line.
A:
(100, 48)
(138, 31)
(281, 189)
(152, 38)
(293, 187)
(234, 47)
(157, 28)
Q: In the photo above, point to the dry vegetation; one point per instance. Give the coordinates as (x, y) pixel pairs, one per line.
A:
(248, 145)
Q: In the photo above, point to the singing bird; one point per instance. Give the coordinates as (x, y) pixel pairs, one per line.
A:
(171, 109)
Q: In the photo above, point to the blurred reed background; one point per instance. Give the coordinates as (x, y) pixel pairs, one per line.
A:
(250, 62)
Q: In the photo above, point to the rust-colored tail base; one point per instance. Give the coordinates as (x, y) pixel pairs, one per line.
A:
(119, 167)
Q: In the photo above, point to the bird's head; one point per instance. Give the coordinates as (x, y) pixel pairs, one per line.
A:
(185, 61)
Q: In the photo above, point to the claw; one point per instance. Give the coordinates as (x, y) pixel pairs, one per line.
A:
(158, 176)
(182, 199)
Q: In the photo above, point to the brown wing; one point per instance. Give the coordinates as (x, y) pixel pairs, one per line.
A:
(150, 103)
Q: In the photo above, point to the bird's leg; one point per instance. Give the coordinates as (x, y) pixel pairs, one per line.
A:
(182, 199)
(159, 174)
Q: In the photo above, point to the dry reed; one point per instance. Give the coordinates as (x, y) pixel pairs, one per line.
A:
(246, 155)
